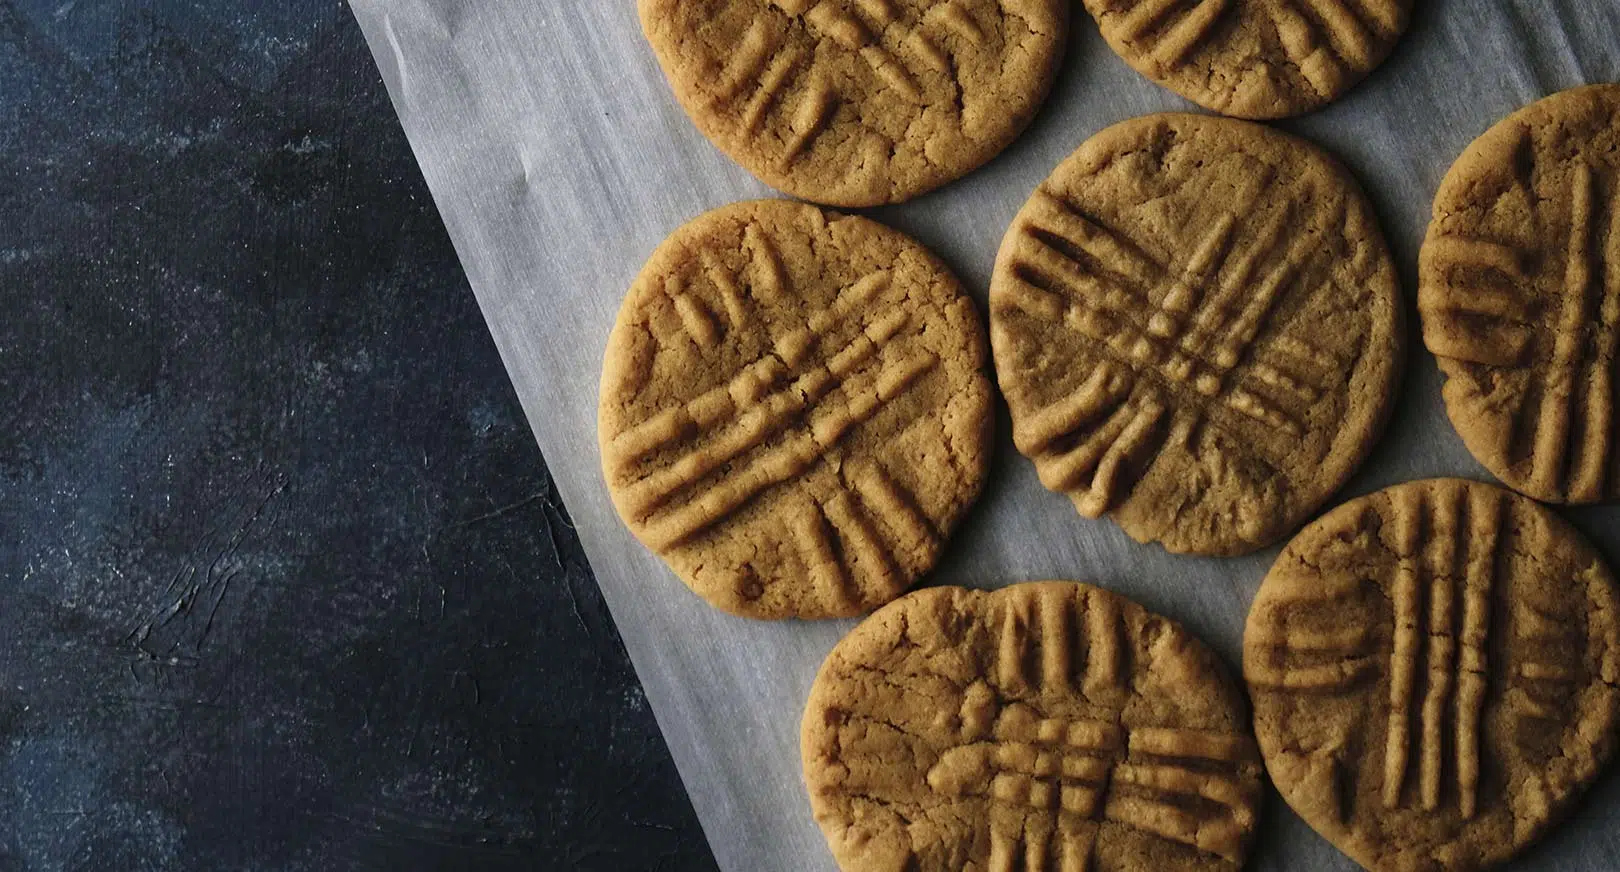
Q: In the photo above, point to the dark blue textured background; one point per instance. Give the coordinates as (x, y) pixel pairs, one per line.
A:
(284, 583)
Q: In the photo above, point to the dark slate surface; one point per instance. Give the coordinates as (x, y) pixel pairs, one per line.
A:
(283, 580)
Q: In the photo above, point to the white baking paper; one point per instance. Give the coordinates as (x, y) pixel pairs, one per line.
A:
(559, 160)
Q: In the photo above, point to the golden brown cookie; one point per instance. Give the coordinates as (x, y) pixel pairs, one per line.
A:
(1520, 295)
(1197, 328)
(1050, 726)
(794, 410)
(858, 102)
(1433, 671)
(1253, 58)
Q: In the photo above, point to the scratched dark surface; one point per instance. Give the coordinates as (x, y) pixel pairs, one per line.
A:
(283, 581)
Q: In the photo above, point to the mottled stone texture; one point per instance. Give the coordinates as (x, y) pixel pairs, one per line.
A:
(284, 583)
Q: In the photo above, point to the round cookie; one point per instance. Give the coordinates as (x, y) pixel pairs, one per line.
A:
(1433, 673)
(1258, 59)
(1520, 295)
(858, 102)
(1197, 328)
(794, 409)
(1049, 725)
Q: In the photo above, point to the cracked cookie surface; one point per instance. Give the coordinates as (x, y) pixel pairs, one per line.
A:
(1197, 328)
(1258, 59)
(794, 411)
(1433, 671)
(858, 102)
(1519, 295)
(1044, 727)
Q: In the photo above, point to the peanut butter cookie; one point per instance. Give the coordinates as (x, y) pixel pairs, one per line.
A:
(794, 410)
(1433, 669)
(1520, 295)
(1048, 726)
(858, 102)
(1197, 328)
(1255, 59)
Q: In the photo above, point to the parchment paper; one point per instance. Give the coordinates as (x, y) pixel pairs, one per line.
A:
(559, 160)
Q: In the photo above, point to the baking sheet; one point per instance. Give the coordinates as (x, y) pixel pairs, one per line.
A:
(559, 160)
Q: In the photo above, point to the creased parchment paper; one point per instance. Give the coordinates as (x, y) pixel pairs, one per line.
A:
(559, 160)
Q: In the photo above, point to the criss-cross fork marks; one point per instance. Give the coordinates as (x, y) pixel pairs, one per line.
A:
(1073, 271)
(1447, 543)
(1165, 786)
(766, 65)
(872, 532)
(1304, 640)
(1124, 431)
(1541, 684)
(1046, 780)
(769, 424)
(1586, 474)
(761, 70)
(1039, 640)
(1051, 780)
(705, 324)
(1332, 40)
(1483, 316)
(1462, 527)
(1060, 772)
(922, 44)
(1173, 37)
(1325, 39)
(1293, 656)
(1165, 768)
